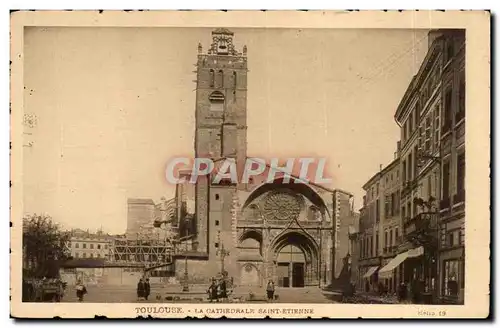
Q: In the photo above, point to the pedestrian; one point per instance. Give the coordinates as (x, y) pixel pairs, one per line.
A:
(223, 289)
(81, 290)
(140, 289)
(270, 290)
(212, 291)
(402, 292)
(147, 289)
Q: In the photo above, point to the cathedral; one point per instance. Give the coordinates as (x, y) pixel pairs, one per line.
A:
(292, 233)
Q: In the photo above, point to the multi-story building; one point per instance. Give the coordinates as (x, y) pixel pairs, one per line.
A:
(380, 233)
(432, 163)
(451, 263)
(369, 238)
(84, 244)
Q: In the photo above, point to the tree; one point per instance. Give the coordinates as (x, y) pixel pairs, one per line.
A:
(44, 245)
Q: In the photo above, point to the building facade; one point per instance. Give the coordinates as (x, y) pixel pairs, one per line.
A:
(381, 229)
(426, 249)
(85, 245)
(293, 233)
(451, 263)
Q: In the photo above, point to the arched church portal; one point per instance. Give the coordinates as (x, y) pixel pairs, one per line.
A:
(296, 260)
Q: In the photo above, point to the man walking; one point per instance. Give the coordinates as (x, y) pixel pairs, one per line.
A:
(147, 289)
(140, 289)
(270, 290)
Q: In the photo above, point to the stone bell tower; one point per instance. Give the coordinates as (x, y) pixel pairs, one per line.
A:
(221, 124)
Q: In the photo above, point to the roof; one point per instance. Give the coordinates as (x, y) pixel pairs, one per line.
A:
(380, 174)
(140, 201)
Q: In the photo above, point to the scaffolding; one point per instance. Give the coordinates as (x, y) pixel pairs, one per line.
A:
(152, 247)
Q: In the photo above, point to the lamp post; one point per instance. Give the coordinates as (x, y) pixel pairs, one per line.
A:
(432, 213)
(222, 252)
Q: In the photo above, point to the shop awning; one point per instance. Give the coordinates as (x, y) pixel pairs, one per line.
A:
(370, 271)
(386, 271)
(416, 252)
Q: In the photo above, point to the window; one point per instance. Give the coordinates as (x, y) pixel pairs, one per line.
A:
(105, 246)
(98, 246)
(437, 113)
(362, 248)
(451, 277)
(377, 209)
(372, 253)
(447, 110)
(417, 110)
(460, 173)
(376, 193)
(91, 255)
(84, 255)
(376, 245)
(220, 79)
(212, 78)
(77, 255)
(386, 239)
(390, 238)
(461, 236)
(216, 245)
(216, 101)
(84, 245)
(216, 222)
(428, 133)
(235, 80)
(76, 245)
(451, 238)
(403, 212)
(393, 204)
(415, 162)
(216, 196)
(396, 235)
(446, 180)
(404, 171)
(410, 167)
(91, 246)
(461, 99)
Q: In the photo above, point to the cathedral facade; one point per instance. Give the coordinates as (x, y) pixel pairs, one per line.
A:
(291, 233)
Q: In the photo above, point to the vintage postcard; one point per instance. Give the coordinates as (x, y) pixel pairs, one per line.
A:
(250, 164)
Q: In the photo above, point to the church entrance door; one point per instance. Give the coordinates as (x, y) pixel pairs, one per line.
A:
(297, 274)
(291, 267)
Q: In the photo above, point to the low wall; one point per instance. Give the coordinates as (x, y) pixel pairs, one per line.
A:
(102, 276)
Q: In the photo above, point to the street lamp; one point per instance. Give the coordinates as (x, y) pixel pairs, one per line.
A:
(222, 252)
(432, 206)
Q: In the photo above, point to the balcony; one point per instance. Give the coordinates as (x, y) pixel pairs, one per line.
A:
(444, 203)
(459, 197)
(420, 222)
(408, 186)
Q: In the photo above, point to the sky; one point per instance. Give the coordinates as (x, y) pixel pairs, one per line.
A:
(113, 105)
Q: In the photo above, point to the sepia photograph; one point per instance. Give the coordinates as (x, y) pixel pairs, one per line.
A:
(189, 169)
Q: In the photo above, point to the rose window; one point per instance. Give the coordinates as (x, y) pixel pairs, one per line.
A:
(282, 206)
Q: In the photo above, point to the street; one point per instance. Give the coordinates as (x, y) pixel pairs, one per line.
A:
(127, 294)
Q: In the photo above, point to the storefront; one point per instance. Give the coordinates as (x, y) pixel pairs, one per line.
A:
(397, 269)
(452, 273)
